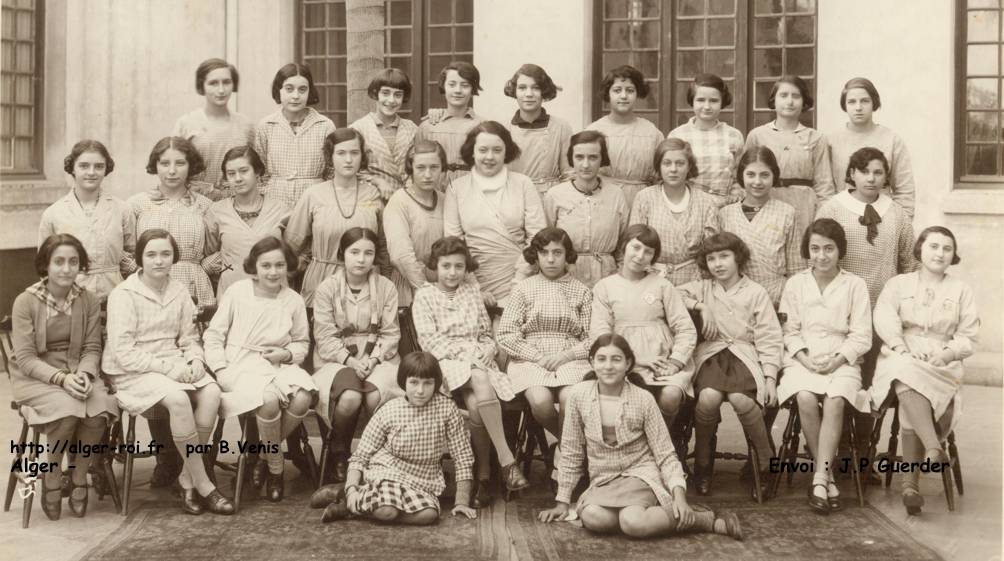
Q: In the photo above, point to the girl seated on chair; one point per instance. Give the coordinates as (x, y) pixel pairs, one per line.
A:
(637, 485)
(254, 344)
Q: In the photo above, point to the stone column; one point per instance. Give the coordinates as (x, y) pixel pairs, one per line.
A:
(365, 24)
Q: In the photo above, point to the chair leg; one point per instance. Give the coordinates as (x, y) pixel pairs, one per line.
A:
(540, 438)
(855, 466)
(755, 458)
(127, 472)
(12, 478)
(217, 438)
(782, 453)
(32, 456)
(796, 442)
(893, 445)
(953, 454)
(241, 461)
(326, 435)
(308, 451)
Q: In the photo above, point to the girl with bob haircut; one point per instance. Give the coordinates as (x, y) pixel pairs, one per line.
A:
(682, 215)
(104, 224)
(647, 499)
(542, 138)
(396, 474)
(631, 139)
(388, 136)
(716, 145)
(254, 345)
(153, 357)
(827, 332)
(459, 82)
(55, 367)
(802, 152)
(452, 324)
(929, 323)
(860, 99)
(290, 140)
(593, 216)
(213, 129)
(740, 356)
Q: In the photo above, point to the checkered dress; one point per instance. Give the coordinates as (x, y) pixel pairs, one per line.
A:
(680, 233)
(293, 160)
(717, 153)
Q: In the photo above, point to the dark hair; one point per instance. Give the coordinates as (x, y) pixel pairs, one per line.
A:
(424, 147)
(450, 245)
(589, 137)
(245, 151)
(866, 85)
(208, 66)
(287, 72)
(613, 339)
(827, 228)
(466, 70)
(421, 365)
(646, 235)
(709, 81)
(548, 90)
(351, 236)
(758, 154)
(87, 145)
(723, 241)
(860, 160)
(673, 144)
(512, 150)
(155, 234)
(546, 236)
(389, 78)
(937, 230)
(265, 245)
(624, 72)
(803, 89)
(344, 135)
(45, 251)
(196, 164)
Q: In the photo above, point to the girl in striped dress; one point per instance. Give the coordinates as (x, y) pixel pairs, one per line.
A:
(542, 138)
(388, 136)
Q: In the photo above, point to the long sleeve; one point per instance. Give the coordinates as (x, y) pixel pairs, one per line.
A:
(767, 336)
(212, 241)
(300, 224)
(215, 338)
(602, 315)
(330, 347)
(188, 340)
(661, 445)
(458, 443)
(23, 340)
(565, 130)
(90, 353)
(390, 331)
(585, 312)
(792, 248)
(299, 344)
(121, 342)
(859, 334)
(573, 446)
(400, 247)
(680, 324)
(128, 263)
(261, 144)
(904, 188)
(373, 439)
(904, 248)
(451, 213)
(533, 211)
(486, 343)
(640, 209)
(510, 334)
(791, 307)
(431, 339)
(968, 329)
(550, 208)
(822, 181)
(886, 318)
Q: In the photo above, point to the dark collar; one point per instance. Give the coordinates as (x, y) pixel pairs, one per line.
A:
(539, 123)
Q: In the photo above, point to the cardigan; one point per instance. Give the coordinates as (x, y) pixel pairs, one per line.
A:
(28, 337)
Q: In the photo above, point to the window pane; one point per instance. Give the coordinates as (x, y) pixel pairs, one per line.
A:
(8, 26)
(400, 13)
(402, 63)
(648, 63)
(983, 26)
(722, 63)
(647, 35)
(652, 100)
(617, 35)
(23, 121)
(767, 31)
(981, 160)
(691, 7)
(982, 126)
(767, 62)
(440, 11)
(983, 3)
(721, 32)
(7, 87)
(25, 54)
(799, 30)
(615, 59)
(24, 92)
(982, 60)
(801, 5)
(722, 7)
(464, 37)
(25, 26)
(440, 39)
(6, 152)
(22, 153)
(336, 97)
(8, 55)
(432, 96)
(769, 7)
(981, 93)
(313, 16)
(680, 102)
(649, 8)
(763, 117)
(762, 94)
(7, 121)
(336, 43)
(465, 11)
(615, 8)
(320, 71)
(801, 62)
(689, 64)
(336, 15)
(690, 33)
(400, 41)
(337, 70)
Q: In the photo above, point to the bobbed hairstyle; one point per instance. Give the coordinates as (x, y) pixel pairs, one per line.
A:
(265, 245)
(624, 72)
(546, 236)
(803, 89)
(512, 150)
(866, 85)
(155, 234)
(196, 164)
(829, 229)
(451, 245)
(548, 90)
(84, 146)
(208, 66)
(287, 72)
(424, 147)
(673, 144)
(421, 365)
(860, 160)
(344, 135)
(723, 241)
(351, 236)
(49, 246)
(613, 339)
(466, 70)
(389, 78)
(245, 151)
(937, 230)
(646, 235)
(709, 81)
(589, 137)
(760, 154)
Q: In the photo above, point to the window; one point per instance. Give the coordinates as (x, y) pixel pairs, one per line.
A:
(749, 43)
(21, 107)
(322, 45)
(980, 46)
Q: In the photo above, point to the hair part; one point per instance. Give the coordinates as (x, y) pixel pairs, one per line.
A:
(624, 72)
(207, 66)
(265, 245)
(155, 234)
(646, 235)
(861, 158)
(344, 135)
(246, 152)
(389, 78)
(451, 245)
(589, 137)
(466, 70)
(829, 229)
(866, 85)
(551, 234)
(936, 230)
(548, 90)
(512, 150)
(709, 81)
(675, 144)
(424, 147)
(803, 89)
(760, 154)
(196, 164)
(81, 148)
(287, 72)
(421, 365)
(723, 241)
(353, 235)
(44, 254)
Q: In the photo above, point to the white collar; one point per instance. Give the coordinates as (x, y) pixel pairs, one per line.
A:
(881, 205)
(677, 208)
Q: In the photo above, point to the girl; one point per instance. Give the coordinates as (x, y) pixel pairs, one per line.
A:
(452, 324)
(213, 129)
(494, 209)
(632, 139)
(682, 216)
(802, 152)
(929, 322)
(636, 482)
(741, 352)
(105, 225)
(716, 145)
(254, 344)
(545, 328)
(859, 99)
(644, 308)
(827, 332)
(459, 82)
(388, 136)
(327, 210)
(766, 224)
(185, 214)
(542, 138)
(291, 139)
(355, 326)
(56, 337)
(594, 217)
(153, 357)
(244, 218)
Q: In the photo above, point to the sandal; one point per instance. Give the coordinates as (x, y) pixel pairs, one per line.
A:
(50, 507)
(819, 504)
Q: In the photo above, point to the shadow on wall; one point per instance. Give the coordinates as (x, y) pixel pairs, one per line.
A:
(17, 272)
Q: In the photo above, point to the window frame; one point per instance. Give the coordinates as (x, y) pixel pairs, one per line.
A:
(299, 54)
(962, 181)
(37, 169)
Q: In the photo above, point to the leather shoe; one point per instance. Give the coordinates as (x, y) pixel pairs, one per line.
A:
(702, 479)
(514, 478)
(819, 504)
(52, 499)
(274, 487)
(482, 496)
(335, 511)
(165, 474)
(341, 471)
(190, 502)
(218, 504)
(78, 506)
(327, 494)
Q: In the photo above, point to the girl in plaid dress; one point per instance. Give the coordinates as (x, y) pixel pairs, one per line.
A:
(388, 136)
